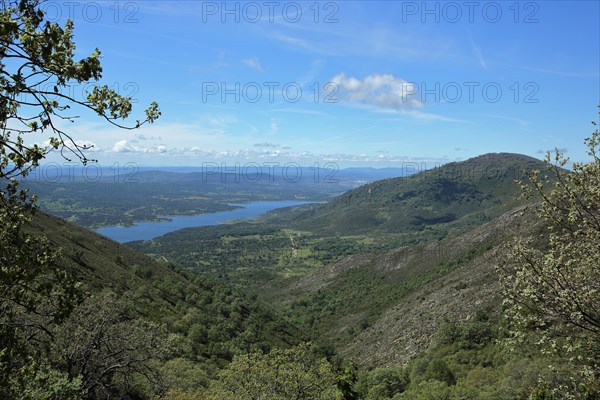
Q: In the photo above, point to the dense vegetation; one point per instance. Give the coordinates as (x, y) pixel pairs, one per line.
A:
(466, 361)
(251, 253)
(552, 292)
(162, 321)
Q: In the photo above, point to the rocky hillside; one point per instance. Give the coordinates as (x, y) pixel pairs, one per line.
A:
(382, 309)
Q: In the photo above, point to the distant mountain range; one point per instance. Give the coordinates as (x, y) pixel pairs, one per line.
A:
(218, 173)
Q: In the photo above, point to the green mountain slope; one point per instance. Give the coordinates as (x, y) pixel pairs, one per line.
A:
(214, 321)
(432, 203)
(383, 309)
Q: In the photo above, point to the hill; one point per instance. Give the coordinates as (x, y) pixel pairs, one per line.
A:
(200, 324)
(161, 291)
(431, 203)
(367, 304)
(427, 320)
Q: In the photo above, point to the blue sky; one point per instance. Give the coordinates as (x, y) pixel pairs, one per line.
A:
(351, 82)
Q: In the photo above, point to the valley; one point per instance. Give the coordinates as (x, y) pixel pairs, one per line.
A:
(376, 275)
(429, 206)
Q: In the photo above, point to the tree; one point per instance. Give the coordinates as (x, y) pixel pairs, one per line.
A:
(553, 293)
(296, 373)
(36, 66)
(35, 293)
(383, 383)
(111, 352)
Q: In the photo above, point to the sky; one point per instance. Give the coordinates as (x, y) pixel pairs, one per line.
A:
(355, 83)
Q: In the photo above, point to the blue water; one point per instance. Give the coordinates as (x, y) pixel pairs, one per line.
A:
(151, 230)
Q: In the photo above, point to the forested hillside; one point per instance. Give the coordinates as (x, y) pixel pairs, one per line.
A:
(138, 325)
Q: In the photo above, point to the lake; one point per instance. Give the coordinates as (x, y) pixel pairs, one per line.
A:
(151, 230)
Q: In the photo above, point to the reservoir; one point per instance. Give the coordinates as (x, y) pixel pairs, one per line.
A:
(151, 230)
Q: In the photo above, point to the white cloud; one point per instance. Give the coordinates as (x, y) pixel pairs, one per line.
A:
(429, 117)
(253, 63)
(144, 137)
(274, 126)
(382, 90)
(301, 111)
(195, 143)
(477, 53)
(157, 149)
(560, 149)
(298, 43)
(88, 144)
(121, 147)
